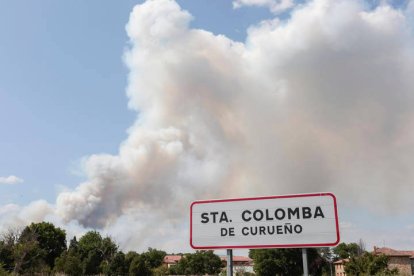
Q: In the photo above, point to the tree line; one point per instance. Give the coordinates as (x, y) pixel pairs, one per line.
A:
(42, 249)
(320, 261)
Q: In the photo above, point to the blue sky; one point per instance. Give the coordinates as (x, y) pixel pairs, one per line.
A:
(62, 84)
(63, 97)
(61, 90)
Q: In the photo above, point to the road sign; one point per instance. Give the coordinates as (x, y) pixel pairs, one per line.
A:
(303, 220)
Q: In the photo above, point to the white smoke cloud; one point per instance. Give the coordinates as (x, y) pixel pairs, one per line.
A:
(398, 238)
(275, 6)
(14, 216)
(11, 179)
(321, 102)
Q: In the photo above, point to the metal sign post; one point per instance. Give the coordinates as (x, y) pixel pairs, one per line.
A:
(229, 262)
(305, 262)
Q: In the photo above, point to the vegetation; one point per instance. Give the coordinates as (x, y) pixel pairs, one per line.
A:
(362, 263)
(199, 263)
(350, 250)
(285, 261)
(41, 249)
(369, 264)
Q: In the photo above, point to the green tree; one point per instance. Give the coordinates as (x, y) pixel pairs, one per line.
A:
(91, 241)
(95, 252)
(181, 268)
(28, 257)
(73, 245)
(211, 262)
(145, 263)
(129, 257)
(3, 272)
(199, 263)
(8, 242)
(6, 256)
(50, 239)
(369, 264)
(91, 264)
(139, 267)
(349, 250)
(116, 265)
(90, 253)
(329, 257)
(285, 261)
(160, 271)
(154, 257)
(108, 249)
(69, 263)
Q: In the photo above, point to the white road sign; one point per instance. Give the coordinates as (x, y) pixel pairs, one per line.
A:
(303, 220)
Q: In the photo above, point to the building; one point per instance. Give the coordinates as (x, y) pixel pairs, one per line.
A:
(340, 267)
(241, 264)
(400, 259)
(170, 260)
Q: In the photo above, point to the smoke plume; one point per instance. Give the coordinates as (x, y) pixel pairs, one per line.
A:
(321, 101)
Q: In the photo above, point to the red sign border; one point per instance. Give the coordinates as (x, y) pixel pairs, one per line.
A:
(272, 245)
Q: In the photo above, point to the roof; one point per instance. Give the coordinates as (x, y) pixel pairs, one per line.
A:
(238, 259)
(341, 261)
(172, 259)
(393, 253)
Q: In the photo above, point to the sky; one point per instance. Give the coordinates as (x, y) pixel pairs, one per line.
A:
(118, 114)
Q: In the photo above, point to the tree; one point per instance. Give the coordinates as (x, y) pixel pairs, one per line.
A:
(90, 252)
(329, 258)
(3, 272)
(50, 239)
(7, 244)
(284, 261)
(70, 261)
(145, 263)
(109, 248)
(154, 257)
(350, 250)
(129, 257)
(212, 263)
(361, 247)
(91, 241)
(181, 268)
(95, 252)
(139, 267)
(160, 271)
(199, 263)
(116, 266)
(6, 256)
(92, 263)
(29, 257)
(369, 264)
(73, 245)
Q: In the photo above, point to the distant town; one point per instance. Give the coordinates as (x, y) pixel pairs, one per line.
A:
(44, 249)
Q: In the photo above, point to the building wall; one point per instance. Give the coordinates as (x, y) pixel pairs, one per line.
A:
(412, 265)
(242, 269)
(339, 270)
(403, 264)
